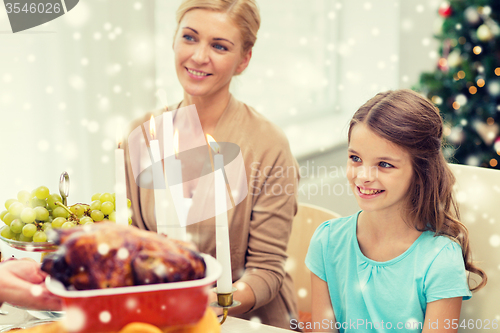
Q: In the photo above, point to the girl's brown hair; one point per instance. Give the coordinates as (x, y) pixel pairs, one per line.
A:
(412, 122)
(244, 13)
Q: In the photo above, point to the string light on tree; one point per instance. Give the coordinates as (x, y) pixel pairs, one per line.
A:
(471, 15)
(473, 161)
(486, 10)
(437, 100)
(443, 64)
(493, 88)
(457, 135)
(461, 99)
(484, 33)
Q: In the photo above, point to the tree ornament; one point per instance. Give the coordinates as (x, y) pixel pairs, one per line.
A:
(494, 28)
(496, 146)
(473, 160)
(457, 135)
(438, 26)
(487, 132)
(443, 61)
(445, 9)
(484, 33)
(443, 64)
(471, 15)
(454, 58)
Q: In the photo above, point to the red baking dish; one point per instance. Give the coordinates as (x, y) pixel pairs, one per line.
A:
(162, 305)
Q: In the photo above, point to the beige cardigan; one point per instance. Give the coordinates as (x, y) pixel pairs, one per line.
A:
(260, 225)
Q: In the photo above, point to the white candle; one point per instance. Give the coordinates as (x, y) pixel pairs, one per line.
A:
(120, 187)
(173, 175)
(158, 181)
(168, 135)
(173, 172)
(159, 188)
(223, 251)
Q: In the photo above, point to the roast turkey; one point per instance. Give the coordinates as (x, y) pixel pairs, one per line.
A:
(107, 255)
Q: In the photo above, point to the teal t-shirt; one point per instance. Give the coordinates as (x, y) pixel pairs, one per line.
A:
(390, 296)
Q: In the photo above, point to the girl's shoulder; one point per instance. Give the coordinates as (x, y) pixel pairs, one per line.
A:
(437, 243)
(439, 251)
(338, 227)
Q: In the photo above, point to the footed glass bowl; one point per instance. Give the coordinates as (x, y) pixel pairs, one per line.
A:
(30, 324)
(30, 246)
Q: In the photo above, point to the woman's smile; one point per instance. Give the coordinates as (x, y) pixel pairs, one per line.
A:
(197, 74)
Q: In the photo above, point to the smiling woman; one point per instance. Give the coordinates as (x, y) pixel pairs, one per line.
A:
(213, 43)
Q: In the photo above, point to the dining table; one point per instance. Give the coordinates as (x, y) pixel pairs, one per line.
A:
(14, 316)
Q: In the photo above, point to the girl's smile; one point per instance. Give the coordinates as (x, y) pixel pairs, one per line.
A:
(368, 193)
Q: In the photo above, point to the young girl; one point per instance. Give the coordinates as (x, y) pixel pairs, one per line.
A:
(400, 263)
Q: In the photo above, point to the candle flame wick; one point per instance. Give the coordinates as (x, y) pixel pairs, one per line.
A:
(152, 128)
(213, 144)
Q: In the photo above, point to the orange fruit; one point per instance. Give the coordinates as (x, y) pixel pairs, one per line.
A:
(140, 328)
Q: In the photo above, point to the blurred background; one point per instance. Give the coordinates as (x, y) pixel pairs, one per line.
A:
(69, 87)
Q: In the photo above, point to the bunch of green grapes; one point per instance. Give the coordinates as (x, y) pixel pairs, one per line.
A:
(28, 217)
(102, 207)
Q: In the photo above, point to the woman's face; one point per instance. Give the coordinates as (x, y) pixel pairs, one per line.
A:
(208, 53)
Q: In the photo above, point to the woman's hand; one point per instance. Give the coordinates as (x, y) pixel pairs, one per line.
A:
(22, 284)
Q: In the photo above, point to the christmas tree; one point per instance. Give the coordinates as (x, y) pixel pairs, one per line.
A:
(466, 83)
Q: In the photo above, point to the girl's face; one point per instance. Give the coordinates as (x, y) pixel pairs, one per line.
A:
(379, 172)
(208, 53)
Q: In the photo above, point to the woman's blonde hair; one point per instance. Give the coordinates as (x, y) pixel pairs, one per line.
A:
(412, 122)
(244, 13)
